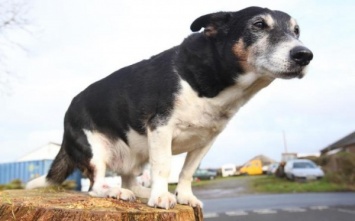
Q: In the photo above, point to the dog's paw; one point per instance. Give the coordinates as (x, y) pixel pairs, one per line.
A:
(120, 193)
(112, 192)
(165, 201)
(188, 199)
(141, 192)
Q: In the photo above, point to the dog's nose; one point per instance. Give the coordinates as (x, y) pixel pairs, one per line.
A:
(301, 55)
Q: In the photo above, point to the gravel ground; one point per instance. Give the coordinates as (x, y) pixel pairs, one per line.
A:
(224, 188)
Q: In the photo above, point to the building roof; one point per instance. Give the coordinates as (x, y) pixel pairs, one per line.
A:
(343, 142)
(264, 159)
(46, 152)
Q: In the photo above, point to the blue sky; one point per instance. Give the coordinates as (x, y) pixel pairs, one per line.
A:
(74, 43)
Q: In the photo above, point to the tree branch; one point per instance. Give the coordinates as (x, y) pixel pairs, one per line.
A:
(12, 19)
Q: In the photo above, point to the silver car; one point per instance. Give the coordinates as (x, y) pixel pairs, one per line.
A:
(302, 169)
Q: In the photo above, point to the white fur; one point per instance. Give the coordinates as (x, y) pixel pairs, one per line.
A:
(275, 63)
(38, 182)
(293, 23)
(280, 58)
(117, 155)
(183, 191)
(160, 161)
(120, 158)
(269, 20)
(201, 119)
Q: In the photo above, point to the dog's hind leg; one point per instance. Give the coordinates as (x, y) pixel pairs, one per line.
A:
(100, 147)
(130, 182)
(102, 189)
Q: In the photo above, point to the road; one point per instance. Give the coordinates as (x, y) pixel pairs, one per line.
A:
(291, 214)
(281, 207)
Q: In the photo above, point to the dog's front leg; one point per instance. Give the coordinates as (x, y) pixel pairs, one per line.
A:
(160, 160)
(183, 190)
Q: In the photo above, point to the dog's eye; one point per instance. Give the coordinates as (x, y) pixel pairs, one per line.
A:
(297, 30)
(260, 24)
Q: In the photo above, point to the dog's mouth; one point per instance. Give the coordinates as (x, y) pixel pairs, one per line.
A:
(285, 74)
(294, 72)
(290, 74)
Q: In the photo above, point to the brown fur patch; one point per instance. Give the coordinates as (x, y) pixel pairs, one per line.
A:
(242, 54)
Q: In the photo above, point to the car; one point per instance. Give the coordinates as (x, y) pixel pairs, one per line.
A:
(228, 170)
(303, 169)
(203, 174)
(272, 168)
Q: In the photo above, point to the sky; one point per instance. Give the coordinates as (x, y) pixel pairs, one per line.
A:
(71, 44)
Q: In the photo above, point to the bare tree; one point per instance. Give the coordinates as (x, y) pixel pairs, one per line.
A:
(12, 19)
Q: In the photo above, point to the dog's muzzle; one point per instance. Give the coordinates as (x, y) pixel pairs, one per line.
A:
(301, 55)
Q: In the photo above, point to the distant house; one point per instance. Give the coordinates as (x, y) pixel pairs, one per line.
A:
(257, 165)
(288, 156)
(264, 159)
(46, 152)
(346, 144)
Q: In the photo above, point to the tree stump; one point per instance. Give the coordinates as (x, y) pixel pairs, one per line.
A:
(52, 204)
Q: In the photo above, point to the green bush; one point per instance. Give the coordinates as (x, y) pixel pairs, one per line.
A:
(69, 185)
(13, 185)
(340, 168)
(17, 184)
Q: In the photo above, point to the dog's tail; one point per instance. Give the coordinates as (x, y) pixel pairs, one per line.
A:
(60, 169)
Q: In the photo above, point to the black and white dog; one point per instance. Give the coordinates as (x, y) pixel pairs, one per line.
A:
(177, 101)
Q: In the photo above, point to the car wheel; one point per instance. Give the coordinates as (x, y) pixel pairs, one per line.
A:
(289, 176)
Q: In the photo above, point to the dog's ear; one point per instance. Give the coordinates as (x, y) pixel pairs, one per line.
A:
(212, 23)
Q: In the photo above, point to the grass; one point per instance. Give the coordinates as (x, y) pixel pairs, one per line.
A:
(271, 184)
(218, 179)
(172, 187)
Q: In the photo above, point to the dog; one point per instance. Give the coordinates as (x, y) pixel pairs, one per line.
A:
(175, 102)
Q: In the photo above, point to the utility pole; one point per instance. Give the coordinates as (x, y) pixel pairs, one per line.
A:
(284, 138)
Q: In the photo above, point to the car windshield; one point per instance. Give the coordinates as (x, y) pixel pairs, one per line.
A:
(202, 171)
(303, 165)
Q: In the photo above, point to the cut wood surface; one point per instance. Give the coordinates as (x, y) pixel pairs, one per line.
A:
(51, 204)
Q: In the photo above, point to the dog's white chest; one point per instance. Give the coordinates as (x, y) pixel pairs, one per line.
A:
(198, 120)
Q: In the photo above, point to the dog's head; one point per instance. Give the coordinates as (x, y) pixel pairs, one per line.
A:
(257, 40)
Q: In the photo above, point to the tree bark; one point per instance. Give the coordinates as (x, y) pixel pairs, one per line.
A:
(51, 204)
